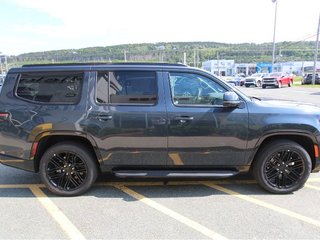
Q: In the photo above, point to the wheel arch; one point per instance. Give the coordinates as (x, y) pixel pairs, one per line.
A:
(302, 139)
(46, 140)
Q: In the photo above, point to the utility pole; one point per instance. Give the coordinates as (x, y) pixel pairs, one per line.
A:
(185, 58)
(125, 55)
(194, 58)
(274, 33)
(1, 70)
(198, 57)
(6, 63)
(316, 54)
(218, 63)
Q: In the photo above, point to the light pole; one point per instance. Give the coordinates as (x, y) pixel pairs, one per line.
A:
(316, 54)
(274, 33)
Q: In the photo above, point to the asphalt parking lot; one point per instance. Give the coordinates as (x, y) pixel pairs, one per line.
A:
(297, 93)
(214, 209)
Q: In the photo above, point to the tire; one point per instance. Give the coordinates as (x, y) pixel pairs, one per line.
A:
(290, 84)
(247, 85)
(258, 84)
(68, 169)
(275, 170)
(263, 86)
(279, 85)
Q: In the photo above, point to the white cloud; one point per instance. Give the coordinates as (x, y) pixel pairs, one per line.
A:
(98, 22)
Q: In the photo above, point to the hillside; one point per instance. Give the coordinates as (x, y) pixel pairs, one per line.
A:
(173, 52)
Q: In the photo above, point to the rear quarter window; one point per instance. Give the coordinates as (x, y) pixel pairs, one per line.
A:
(50, 87)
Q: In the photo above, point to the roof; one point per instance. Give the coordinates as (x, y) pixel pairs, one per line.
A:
(108, 64)
(97, 66)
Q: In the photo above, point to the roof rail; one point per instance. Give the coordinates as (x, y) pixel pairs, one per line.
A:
(104, 63)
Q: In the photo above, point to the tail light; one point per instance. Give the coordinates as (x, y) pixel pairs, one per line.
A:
(4, 116)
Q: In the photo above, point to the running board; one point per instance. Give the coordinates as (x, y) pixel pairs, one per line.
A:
(174, 174)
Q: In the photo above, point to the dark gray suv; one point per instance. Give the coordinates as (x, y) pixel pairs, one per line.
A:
(70, 122)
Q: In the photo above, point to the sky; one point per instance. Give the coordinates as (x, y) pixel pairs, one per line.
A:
(41, 25)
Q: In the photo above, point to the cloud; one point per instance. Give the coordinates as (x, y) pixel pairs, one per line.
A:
(101, 23)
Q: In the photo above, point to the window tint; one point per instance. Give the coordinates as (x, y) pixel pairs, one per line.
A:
(127, 87)
(193, 89)
(50, 87)
(102, 87)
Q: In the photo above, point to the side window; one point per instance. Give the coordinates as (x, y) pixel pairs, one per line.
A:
(50, 87)
(194, 89)
(102, 87)
(127, 87)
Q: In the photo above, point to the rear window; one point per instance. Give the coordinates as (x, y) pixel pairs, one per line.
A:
(50, 87)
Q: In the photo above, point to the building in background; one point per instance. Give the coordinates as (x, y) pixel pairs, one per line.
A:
(220, 67)
(230, 68)
(245, 68)
(3, 64)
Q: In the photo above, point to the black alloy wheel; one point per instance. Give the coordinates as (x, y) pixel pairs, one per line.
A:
(68, 169)
(282, 166)
(284, 169)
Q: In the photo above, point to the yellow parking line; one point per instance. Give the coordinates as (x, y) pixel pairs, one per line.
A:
(57, 214)
(175, 157)
(312, 187)
(167, 211)
(265, 204)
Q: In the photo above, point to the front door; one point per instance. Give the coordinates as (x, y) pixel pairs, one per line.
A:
(201, 132)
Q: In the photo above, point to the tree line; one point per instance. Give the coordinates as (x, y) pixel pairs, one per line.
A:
(173, 52)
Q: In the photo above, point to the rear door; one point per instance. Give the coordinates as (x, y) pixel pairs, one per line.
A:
(127, 118)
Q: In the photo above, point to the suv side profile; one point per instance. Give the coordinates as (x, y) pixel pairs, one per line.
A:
(70, 122)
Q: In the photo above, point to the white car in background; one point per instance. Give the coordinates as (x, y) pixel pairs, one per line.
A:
(254, 80)
(1, 80)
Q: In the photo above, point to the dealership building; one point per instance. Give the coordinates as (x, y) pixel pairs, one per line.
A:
(229, 67)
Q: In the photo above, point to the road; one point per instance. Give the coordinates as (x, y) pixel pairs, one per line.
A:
(298, 94)
(228, 209)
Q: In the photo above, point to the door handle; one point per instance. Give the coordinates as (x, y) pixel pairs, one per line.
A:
(104, 117)
(184, 119)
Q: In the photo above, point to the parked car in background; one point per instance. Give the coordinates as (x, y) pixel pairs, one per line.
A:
(255, 79)
(238, 80)
(1, 80)
(307, 78)
(277, 79)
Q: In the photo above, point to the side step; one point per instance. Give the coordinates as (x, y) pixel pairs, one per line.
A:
(175, 174)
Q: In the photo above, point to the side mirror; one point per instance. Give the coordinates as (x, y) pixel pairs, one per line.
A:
(231, 100)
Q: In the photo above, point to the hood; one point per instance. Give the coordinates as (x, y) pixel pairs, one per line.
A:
(289, 107)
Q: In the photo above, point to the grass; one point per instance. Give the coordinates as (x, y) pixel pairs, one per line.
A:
(297, 82)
